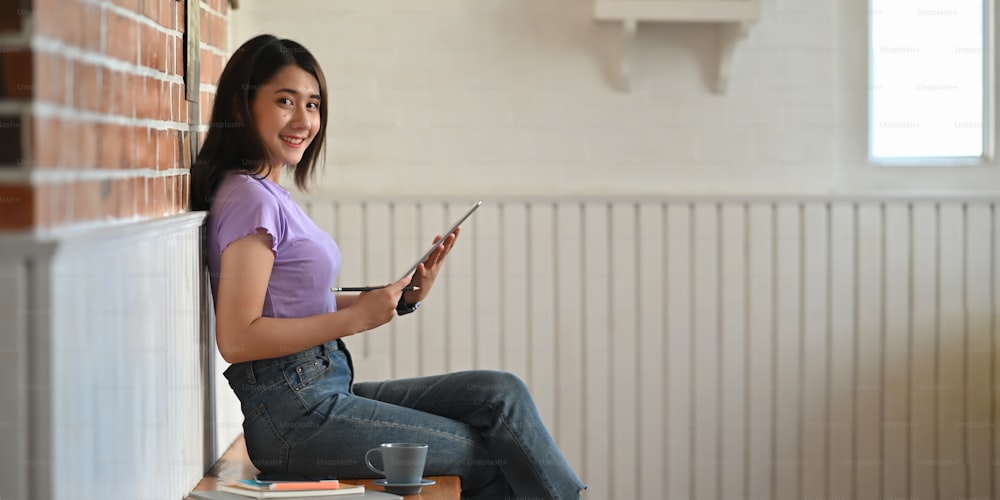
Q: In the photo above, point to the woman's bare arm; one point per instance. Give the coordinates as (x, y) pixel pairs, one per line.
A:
(243, 334)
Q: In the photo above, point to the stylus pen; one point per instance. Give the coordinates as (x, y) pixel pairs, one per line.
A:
(408, 288)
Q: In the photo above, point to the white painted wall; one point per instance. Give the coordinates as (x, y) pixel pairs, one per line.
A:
(516, 97)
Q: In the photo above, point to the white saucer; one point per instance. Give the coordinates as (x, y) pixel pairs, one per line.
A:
(403, 488)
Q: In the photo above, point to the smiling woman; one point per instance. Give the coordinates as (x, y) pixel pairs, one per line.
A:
(271, 88)
(271, 268)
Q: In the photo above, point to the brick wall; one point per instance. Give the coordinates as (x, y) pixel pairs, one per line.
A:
(94, 123)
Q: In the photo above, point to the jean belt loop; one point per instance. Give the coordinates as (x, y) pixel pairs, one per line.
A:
(250, 376)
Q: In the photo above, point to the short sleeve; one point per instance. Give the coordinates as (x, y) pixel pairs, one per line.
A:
(244, 210)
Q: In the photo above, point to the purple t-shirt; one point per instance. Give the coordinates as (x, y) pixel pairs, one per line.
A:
(306, 259)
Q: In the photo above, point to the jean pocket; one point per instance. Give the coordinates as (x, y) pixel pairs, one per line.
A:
(267, 449)
(306, 372)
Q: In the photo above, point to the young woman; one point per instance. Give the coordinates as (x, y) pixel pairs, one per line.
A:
(280, 326)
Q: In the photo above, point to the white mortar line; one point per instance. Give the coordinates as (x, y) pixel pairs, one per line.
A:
(43, 175)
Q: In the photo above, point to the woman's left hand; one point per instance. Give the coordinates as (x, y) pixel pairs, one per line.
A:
(428, 270)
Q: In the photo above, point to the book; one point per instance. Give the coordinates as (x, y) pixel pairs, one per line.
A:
(287, 484)
(252, 488)
(223, 495)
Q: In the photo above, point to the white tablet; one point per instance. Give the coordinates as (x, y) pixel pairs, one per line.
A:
(444, 236)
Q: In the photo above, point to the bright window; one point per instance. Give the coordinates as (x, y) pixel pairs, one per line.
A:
(928, 81)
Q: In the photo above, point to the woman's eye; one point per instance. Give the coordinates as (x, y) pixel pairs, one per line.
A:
(313, 105)
(284, 100)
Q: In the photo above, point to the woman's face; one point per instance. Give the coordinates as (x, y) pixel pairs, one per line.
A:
(286, 111)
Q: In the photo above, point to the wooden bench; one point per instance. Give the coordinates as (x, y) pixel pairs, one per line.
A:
(235, 465)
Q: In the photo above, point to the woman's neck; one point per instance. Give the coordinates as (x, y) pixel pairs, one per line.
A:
(274, 175)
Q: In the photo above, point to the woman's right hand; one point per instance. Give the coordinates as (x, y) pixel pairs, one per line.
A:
(377, 307)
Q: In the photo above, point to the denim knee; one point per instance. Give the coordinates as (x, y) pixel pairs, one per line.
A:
(504, 386)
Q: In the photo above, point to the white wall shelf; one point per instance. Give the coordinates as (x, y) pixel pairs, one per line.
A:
(734, 17)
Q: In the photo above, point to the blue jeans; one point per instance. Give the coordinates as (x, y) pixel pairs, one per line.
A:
(303, 414)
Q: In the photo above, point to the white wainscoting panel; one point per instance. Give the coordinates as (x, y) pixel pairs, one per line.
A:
(715, 348)
(107, 375)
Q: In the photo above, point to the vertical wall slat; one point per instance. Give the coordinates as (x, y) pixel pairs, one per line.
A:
(459, 276)
(570, 432)
(842, 348)
(788, 352)
(994, 277)
(378, 239)
(815, 349)
(542, 309)
(979, 391)
(486, 244)
(923, 355)
(678, 390)
(432, 316)
(14, 371)
(651, 328)
(868, 351)
(733, 330)
(952, 323)
(760, 351)
(597, 346)
(895, 424)
(408, 243)
(349, 233)
(623, 348)
(706, 349)
(514, 279)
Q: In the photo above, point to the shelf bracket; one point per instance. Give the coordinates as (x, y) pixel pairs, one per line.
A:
(734, 17)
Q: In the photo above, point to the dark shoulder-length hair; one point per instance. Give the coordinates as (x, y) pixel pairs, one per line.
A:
(232, 142)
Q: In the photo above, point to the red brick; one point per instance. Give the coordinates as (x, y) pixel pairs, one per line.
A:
(91, 23)
(167, 10)
(110, 146)
(122, 37)
(84, 201)
(162, 51)
(147, 45)
(140, 190)
(59, 205)
(149, 145)
(44, 201)
(47, 18)
(87, 137)
(69, 144)
(17, 68)
(159, 196)
(13, 152)
(121, 188)
(44, 130)
(166, 100)
(71, 13)
(11, 16)
(86, 91)
(162, 150)
(132, 5)
(151, 9)
(18, 202)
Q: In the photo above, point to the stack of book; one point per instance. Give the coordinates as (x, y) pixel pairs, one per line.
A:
(253, 488)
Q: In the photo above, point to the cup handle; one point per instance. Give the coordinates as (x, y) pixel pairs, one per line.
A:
(369, 463)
